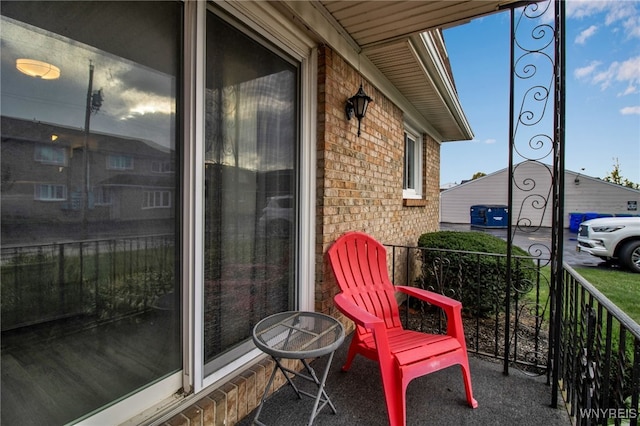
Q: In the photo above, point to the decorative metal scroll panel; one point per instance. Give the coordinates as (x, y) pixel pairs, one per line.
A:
(532, 120)
(532, 145)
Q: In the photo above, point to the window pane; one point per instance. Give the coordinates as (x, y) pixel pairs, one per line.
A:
(49, 154)
(250, 169)
(59, 192)
(409, 162)
(90, 311)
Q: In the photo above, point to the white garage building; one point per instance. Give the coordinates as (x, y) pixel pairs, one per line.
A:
(583, 194)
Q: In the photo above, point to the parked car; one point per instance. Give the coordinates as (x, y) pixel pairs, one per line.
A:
(277, 217)
(613, 239)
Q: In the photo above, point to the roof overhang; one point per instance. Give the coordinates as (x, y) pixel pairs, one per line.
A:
(398, 46)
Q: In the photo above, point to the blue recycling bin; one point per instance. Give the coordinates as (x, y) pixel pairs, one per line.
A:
(590, 215)
(575, 219)
(489, 216)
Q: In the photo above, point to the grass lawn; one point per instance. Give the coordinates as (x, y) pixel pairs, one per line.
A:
(622, 288)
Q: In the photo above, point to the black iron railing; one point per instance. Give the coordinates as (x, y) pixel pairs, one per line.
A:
(97, 279)
(478, 280)
(599, 366)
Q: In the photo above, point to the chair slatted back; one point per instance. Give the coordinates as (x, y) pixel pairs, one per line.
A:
(359, 264)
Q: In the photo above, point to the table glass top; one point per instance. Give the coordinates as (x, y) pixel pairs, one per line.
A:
(298, 334)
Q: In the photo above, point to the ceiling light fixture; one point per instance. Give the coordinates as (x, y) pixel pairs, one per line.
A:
(37, 69)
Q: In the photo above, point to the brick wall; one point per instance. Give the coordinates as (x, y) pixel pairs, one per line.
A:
(235, 399)
(359, 187)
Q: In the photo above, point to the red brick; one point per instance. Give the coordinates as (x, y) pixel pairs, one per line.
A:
(194, 414)
(208, 408)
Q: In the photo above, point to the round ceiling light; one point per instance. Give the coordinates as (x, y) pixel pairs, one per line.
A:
(38, 69)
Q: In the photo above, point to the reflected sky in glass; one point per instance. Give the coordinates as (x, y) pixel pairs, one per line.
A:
(138, 102)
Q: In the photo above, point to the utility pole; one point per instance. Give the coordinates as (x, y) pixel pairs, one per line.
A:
(94, 102)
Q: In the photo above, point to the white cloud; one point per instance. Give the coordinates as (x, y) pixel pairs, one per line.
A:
(630, 110)
(585, 72)
(605, 78)
(584, 35)
(621, 17)
(619, 11)
(583, 8)
(627, 72)
(632, 26)
(490, 141)
(625, 13)
(630, 70)
(631, 89)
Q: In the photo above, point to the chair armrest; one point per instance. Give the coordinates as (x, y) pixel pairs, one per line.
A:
(355, 313)
(439, 300)
(451, 307)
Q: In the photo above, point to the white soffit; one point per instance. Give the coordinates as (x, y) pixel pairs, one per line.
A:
(390, 35)
(375, 22)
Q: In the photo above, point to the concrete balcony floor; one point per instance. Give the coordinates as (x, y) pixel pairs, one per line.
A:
(435, 399)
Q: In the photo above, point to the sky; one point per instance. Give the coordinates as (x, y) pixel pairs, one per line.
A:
(138, 102)
(602, 91)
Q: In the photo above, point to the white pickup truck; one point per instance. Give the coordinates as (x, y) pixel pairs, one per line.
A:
(612, 239)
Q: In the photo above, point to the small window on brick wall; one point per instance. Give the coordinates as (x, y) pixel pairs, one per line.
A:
(51, 155)
(50, 192)
(156, 200)
(412, 180)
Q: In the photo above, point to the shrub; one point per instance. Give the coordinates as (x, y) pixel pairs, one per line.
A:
(472, 267)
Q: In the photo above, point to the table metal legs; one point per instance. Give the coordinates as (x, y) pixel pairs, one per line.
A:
(321, 396)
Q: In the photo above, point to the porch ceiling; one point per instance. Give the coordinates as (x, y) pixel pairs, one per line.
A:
(389, 33)
(372, 23)
(402, 39)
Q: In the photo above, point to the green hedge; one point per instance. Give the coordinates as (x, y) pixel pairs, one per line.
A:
(469, 274)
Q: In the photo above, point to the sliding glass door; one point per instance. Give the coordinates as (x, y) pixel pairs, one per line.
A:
(90, 299)
(251, 149)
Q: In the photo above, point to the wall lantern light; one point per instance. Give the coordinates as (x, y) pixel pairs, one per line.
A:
(357, 105)
(38, 69)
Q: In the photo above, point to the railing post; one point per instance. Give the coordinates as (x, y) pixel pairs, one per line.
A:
(622, 355)
(96, 281)
(570, 344)
(61, 281)
(42, 292)
(587, 364)
(558, 183)
(635, 383)
(606, 371)
(16, 281)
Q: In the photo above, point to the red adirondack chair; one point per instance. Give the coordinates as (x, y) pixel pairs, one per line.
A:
(359, 264)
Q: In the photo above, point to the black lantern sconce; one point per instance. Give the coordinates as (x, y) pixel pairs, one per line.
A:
(357, 105)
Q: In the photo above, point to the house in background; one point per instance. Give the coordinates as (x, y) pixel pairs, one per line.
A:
(130, 183)
(582, 194)
(244, 101)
